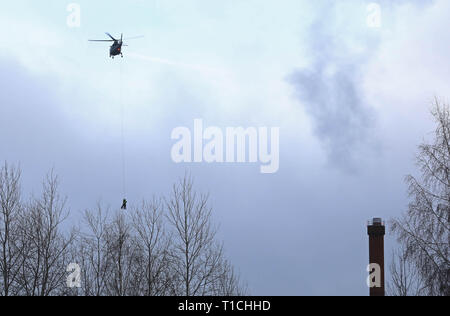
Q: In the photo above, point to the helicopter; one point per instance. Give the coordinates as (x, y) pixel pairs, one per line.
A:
(116, 47)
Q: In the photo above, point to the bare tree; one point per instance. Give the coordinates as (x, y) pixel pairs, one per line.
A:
(155, 247)
(406, 279)
(125, 257)
(424, 229)
(47, 250)
(197, 255)
(92, 252)
(11, 249)
(228, 282)
(159, 248)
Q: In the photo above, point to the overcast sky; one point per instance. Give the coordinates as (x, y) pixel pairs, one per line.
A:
(352, 104)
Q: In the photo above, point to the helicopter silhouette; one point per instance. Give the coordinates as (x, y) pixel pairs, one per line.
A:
(116, 47)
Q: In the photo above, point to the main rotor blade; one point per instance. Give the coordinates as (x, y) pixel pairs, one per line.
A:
(110, 36)
(134, 37)
(101, 41)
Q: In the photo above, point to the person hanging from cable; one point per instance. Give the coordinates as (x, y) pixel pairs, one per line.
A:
(124, 204)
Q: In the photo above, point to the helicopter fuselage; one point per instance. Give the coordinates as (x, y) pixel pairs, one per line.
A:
(116, 49)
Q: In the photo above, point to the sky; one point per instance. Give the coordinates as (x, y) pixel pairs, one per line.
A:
(351, 102)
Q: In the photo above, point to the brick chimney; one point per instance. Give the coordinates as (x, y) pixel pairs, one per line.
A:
(376, 231)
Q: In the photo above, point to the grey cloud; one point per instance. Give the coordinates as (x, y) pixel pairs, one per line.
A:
(342, 120)
(330, 89)
(331, 93)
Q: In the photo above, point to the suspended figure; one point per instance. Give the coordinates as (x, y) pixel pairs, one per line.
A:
(124, 204)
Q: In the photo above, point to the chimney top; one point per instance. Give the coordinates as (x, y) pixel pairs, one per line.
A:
(376, 221)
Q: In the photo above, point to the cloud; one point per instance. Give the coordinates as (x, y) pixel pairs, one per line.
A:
(330, 88)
